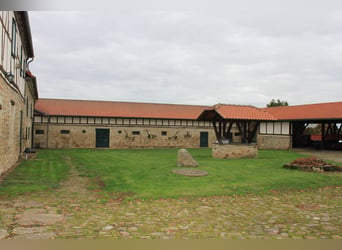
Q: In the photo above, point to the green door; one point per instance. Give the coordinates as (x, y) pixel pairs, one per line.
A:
(204, 139)
(102, 138)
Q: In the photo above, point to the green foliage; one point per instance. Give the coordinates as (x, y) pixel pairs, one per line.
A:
(277, 103)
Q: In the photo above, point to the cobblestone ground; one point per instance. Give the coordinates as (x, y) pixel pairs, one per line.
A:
(75, 212)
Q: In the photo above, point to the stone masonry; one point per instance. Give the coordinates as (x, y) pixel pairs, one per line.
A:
(120, 137)
(234, 151)
(15, 125)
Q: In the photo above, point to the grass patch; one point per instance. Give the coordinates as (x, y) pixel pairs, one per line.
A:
(44, 172)
(146, 173)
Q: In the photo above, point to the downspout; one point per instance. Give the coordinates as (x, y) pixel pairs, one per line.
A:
(47, 132)
(28, 61)
(32, 135)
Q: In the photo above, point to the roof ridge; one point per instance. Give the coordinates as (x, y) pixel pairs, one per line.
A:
(236, 105)
(126, 102)
(301, 105)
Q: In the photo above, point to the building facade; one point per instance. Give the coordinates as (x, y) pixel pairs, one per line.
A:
(275, 135)
(119, 125)
(18, 87)
(99, 124)
(292, 128)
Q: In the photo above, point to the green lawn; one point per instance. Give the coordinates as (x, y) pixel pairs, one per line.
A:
(146, 173)
(37, 174)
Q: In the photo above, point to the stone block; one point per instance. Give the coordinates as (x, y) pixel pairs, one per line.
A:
(184, 159)
(234, 151)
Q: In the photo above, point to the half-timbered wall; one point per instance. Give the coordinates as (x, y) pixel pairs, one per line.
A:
(80, 132)
(17, 97)
(274, 128)
(274, 135)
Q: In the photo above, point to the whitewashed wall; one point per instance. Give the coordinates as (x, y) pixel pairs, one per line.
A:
(275, 128)
(15, 64)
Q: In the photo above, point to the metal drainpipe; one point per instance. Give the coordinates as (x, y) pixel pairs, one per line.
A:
(32, 135)
(28, 61)
(47, 132)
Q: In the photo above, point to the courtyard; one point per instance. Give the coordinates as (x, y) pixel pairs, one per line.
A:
(83, 199)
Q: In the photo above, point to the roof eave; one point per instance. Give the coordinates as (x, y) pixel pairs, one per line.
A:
(33, 79)
(25, 31)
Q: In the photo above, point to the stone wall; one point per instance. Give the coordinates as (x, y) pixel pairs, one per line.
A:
(9, 126)
(234, 151)
(121, 137)
(16, 116)
(282, 142)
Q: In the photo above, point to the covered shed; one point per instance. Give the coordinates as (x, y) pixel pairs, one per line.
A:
(327, 115)
(247, 119)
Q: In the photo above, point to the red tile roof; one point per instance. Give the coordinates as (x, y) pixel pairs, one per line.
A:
(117, 109)
(319, 111)
(236, 112)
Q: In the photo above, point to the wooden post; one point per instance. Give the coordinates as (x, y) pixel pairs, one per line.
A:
(322, 135)
(216, 131)
(252, 131)
(226, 133)
(245, 132)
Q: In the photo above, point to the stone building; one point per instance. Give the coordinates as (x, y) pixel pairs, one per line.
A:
(282, 127)
(101, 124)
(18, 87)
(290, 129)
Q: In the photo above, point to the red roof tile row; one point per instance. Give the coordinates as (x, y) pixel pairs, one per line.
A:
(242, 112)
(319, 111)
(177, 111)
(118, 109)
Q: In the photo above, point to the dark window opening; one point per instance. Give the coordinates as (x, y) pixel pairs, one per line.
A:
(27, 107)
(64, 132)
(164, 133)
(39, 131)
(135, 132)
(14, 37)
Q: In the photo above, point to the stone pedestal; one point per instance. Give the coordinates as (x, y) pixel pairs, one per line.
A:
(234, 151)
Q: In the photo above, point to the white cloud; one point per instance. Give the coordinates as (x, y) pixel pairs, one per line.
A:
(191, 54)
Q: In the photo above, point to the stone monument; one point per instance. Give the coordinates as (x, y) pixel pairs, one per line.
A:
(184, 159)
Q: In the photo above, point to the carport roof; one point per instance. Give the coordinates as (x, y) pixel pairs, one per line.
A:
(318, 111)
(235, 112)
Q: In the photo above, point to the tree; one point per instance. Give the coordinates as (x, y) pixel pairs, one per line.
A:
(277, 103)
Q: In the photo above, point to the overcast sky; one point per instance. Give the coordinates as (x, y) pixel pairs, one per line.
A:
(201, 52)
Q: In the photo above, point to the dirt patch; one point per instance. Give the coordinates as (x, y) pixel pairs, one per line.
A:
(312, 163)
